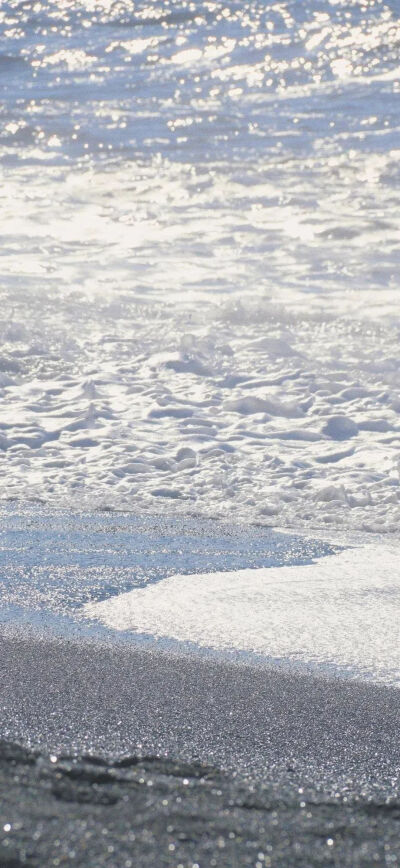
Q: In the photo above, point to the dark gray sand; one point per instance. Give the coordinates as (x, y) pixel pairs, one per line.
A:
(311, 766)
(153, 811)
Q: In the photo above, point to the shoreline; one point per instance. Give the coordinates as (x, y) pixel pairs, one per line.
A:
(79, 696)
(122, 750)
(194, 589)
(114, 756)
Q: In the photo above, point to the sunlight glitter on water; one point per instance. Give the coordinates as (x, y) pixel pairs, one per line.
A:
(200, 258)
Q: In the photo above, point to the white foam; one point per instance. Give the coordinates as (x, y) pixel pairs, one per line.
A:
(211, 266)
(341, 612)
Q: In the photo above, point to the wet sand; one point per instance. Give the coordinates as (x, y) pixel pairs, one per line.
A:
(145, 812)
(113, 699)
(266, 731)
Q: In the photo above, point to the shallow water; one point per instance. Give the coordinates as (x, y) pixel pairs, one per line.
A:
(200, 217)
(197, 587)
(52, 562)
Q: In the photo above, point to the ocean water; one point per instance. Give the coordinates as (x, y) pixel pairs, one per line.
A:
(200, 259)
(191, 586)
(53, 562)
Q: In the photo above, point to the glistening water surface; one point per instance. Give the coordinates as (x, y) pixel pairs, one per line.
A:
(54, 561)
(199, 258)
(199, 586)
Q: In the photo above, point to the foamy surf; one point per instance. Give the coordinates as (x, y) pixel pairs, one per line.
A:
(199, 304)
(340, 614)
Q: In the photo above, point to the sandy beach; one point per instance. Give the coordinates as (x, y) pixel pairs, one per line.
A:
(119, 748)
(199, 434)
(81, 696)
(250, 761)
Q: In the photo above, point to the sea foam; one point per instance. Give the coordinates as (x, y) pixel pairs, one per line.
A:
(338, 616)
(200, 252)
